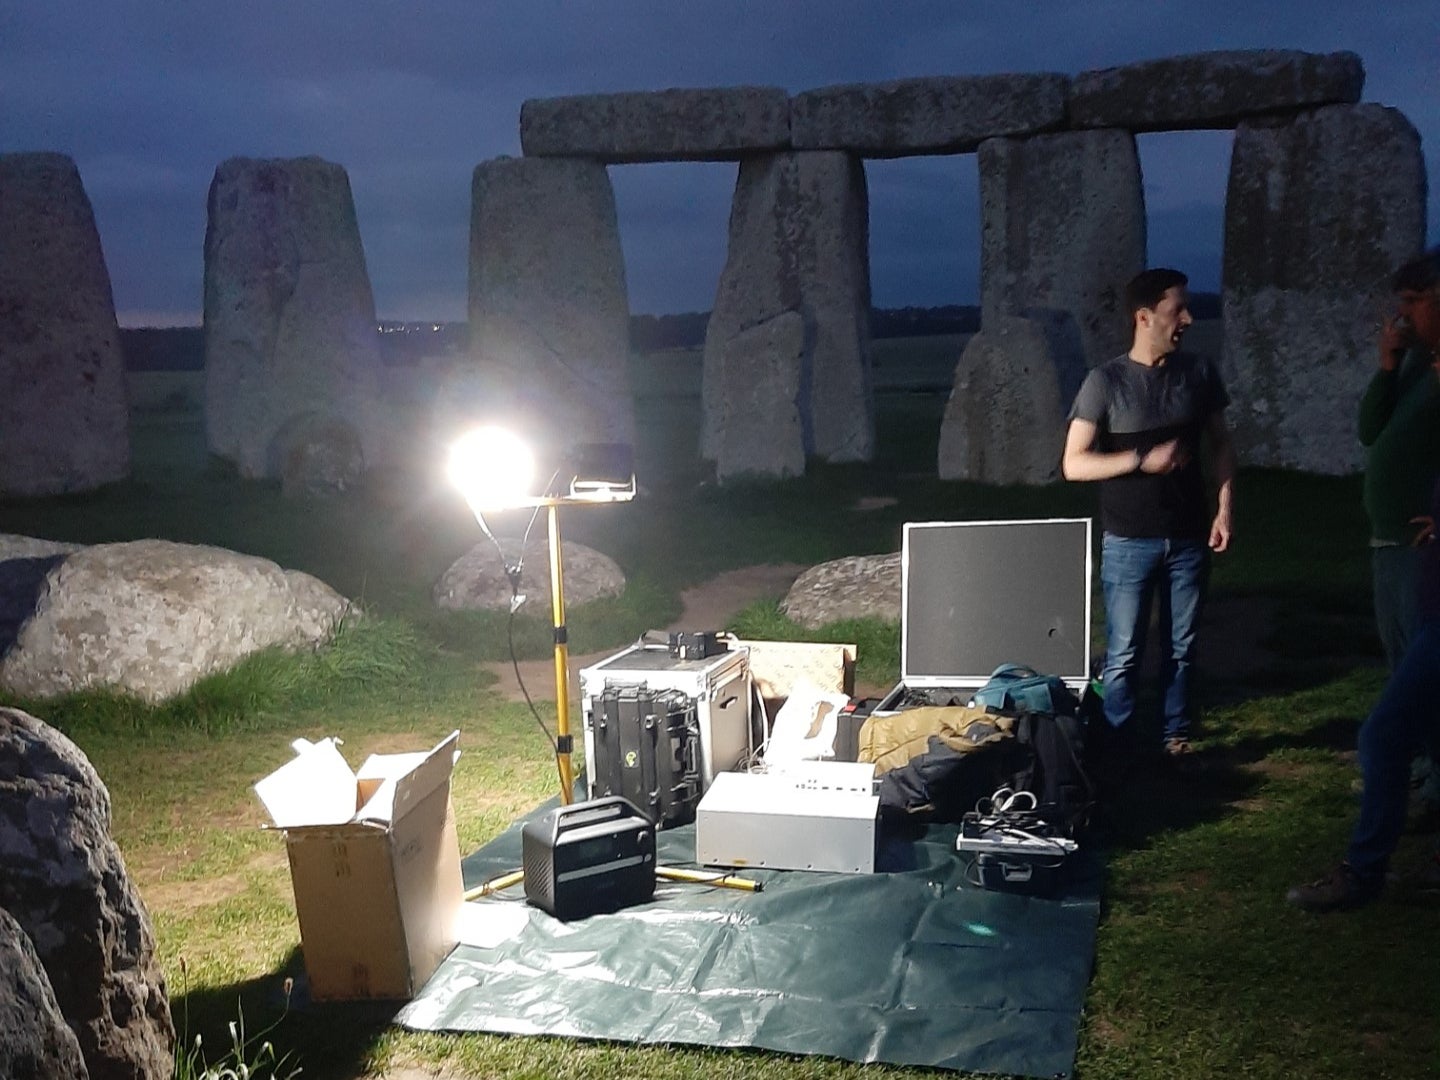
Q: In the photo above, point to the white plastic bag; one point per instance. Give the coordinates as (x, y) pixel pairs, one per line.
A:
(805, 726)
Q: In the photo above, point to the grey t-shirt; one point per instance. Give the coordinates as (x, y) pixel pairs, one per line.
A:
(1136, 407)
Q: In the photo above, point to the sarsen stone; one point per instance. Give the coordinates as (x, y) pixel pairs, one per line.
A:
(150, 617)
(65, 883)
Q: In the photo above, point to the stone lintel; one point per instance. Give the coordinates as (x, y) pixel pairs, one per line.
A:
(937, 115)
(1213, 90)
(723, 124)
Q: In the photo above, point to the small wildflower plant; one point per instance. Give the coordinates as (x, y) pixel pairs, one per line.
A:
(250, 1057)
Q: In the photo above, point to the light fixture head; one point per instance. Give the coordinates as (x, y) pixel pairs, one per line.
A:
(493, 468)
(601, 472)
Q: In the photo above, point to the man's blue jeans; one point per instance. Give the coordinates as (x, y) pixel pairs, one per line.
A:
(1403, 719)
(1134, 571)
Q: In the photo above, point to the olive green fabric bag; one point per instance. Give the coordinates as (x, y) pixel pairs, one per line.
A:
(892, 741)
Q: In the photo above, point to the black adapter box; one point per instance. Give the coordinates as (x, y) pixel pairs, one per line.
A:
(697, 644)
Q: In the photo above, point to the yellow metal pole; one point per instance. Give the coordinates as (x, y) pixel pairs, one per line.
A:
(494, 885)
(563, 741)
(700, 877)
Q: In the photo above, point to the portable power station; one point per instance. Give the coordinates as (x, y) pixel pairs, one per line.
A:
(589, 857)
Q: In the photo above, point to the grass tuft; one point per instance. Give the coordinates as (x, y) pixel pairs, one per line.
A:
(367, 655)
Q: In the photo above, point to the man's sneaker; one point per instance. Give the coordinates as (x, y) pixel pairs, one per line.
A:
(1179, 757)
(1340, 890)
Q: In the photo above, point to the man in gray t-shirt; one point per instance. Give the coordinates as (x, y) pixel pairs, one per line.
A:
(1138, 426)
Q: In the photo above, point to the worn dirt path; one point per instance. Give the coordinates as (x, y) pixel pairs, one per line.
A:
(707, 606)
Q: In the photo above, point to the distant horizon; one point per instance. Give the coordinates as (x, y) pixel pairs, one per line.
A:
(197, 322)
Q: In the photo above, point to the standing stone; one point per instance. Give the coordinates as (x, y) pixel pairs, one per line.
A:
(832, 255)
(662, 125)
(758, 284)
(799, 243)
(549, 313)
(1063, 228)
(946, 114)
(65, 883)
(1213, 89)
(289, 315)
(1318, 213)
(35, 1040)
(316, 455)
(64, 420)
(752, 388)
(1005, 419)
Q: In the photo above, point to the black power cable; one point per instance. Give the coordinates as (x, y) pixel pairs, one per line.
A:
(513, 575)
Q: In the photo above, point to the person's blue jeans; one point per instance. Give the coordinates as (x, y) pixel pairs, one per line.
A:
(1134, 573)
(1394, 577)
(1403, 719)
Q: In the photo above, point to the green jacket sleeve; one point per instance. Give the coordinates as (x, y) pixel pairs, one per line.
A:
(1377, 404)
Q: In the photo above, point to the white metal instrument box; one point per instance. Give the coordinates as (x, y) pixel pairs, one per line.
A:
(720, 686)
(790, 821)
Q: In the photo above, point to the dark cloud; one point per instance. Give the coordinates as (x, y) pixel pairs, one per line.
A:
(149, 98)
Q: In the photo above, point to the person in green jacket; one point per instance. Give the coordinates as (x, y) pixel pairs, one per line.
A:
(1399, 425)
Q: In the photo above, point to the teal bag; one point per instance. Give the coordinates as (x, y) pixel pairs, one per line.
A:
(1015, 688)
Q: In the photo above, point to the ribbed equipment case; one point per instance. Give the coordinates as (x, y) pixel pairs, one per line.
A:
(646, 747)
(701, 726)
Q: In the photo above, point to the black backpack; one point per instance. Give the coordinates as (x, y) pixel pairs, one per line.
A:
(1053, 771)
(1050, 726)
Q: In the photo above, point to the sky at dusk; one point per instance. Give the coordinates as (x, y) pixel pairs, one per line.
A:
(148, 98)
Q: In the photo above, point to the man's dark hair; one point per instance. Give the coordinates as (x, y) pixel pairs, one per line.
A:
(1419, 274)
(1147, 288)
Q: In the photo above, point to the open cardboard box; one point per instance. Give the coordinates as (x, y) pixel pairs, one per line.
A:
(375, 863)
(777, 666)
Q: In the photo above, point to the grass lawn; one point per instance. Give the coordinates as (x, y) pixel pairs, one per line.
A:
(1201, 969)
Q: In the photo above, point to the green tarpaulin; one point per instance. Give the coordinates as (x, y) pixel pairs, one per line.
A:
(912, 965)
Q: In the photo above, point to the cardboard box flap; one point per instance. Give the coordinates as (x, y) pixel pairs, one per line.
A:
(405, 779)
(376, 780)
(316, 787)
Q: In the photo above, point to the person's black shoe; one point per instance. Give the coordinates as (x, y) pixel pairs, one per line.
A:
(1180, 757)
(1340, 890)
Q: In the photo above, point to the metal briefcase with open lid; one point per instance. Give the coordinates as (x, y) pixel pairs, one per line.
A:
(978, 594)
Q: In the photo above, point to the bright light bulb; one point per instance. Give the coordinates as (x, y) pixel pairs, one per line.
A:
(492, 468)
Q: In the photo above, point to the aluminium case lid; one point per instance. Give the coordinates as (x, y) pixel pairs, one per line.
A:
(644, 662)
(978, 594)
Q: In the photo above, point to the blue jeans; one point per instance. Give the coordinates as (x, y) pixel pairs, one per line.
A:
(1403, 720)
(1394, 576)
(1133, 572)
